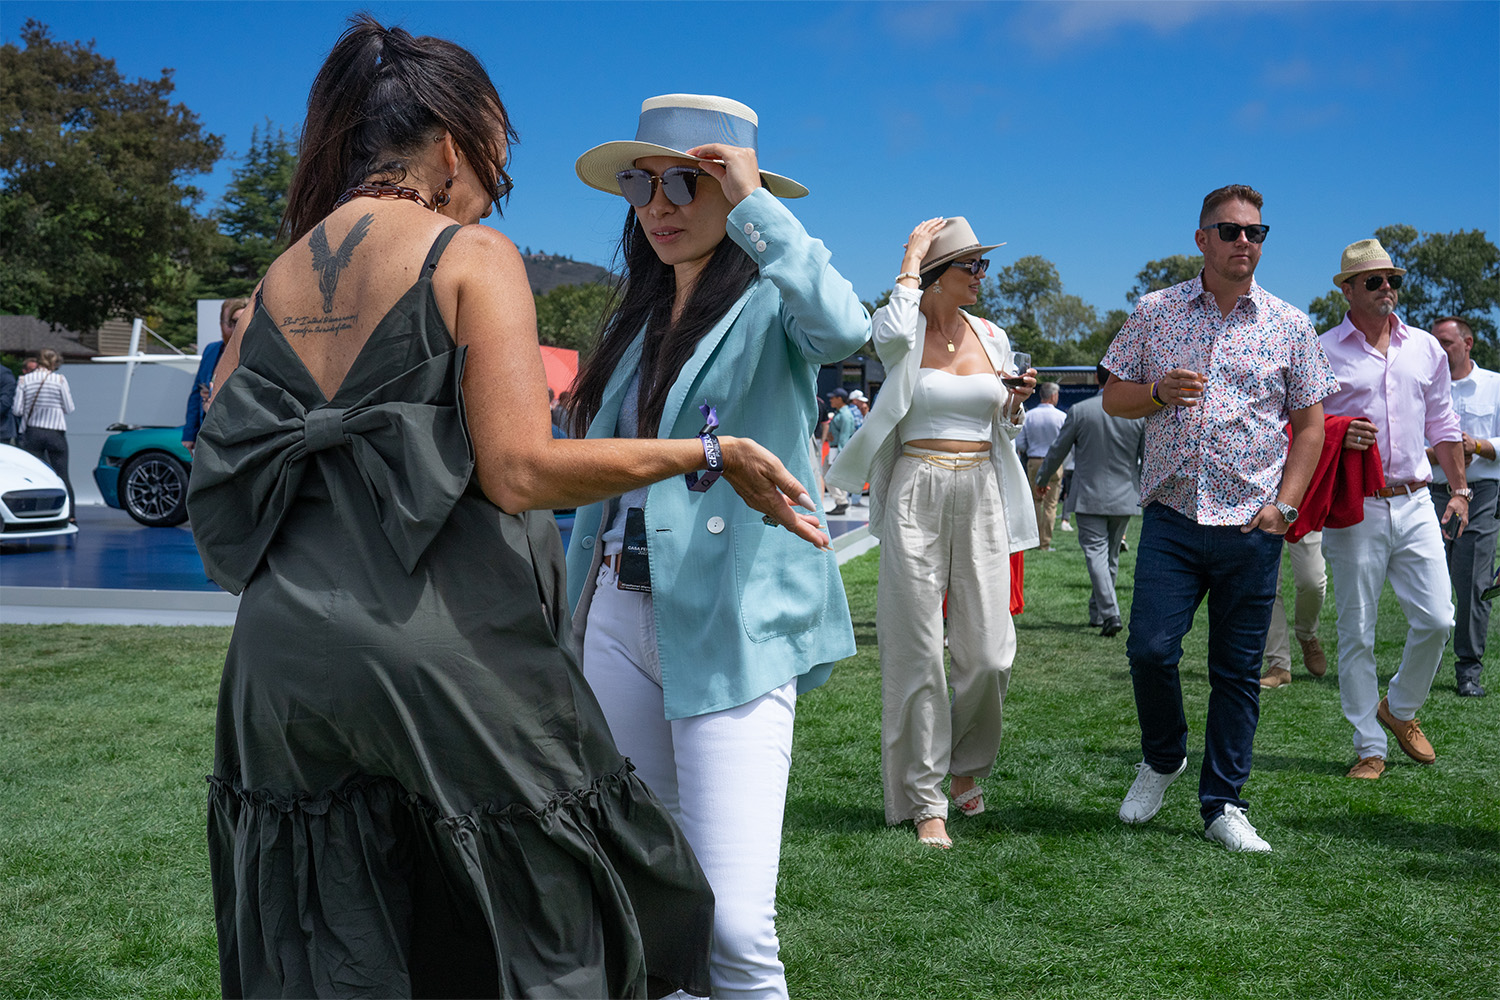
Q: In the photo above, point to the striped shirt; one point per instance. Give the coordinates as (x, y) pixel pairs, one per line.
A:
(52, 400)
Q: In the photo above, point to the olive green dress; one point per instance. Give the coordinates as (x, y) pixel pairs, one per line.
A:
(414, 790)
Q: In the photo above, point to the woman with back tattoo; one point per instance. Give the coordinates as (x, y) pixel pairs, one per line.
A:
(414, 790)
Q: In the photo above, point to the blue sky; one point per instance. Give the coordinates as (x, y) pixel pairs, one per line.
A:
(1084, 132)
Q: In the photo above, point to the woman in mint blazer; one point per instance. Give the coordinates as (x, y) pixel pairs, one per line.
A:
(728, 307)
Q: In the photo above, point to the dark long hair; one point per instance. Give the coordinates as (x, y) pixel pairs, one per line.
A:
(381, 97)
(644, 298)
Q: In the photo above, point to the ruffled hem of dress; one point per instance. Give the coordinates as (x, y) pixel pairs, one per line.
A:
(368, 887)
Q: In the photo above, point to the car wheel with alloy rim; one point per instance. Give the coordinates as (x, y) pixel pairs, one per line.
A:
(153, 490)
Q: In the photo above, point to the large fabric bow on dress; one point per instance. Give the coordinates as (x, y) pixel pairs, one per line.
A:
(406, 438)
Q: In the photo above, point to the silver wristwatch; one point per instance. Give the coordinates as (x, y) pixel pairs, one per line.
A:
(1287, 510)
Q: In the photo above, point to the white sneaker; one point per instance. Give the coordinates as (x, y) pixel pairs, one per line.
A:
(1064, 526)
(1234, 831)
(1144, 798)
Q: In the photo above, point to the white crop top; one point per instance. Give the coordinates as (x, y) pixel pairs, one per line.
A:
(951, 407)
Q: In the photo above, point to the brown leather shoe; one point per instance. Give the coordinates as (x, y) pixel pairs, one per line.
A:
(1275, 677)
(1408, 735)
(1367, 767)
(1313, 657)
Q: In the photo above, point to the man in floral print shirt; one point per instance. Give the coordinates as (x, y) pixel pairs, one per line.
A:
(1217, 366)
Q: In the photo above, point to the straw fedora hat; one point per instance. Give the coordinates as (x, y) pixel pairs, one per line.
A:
(672, 124)
(1363, 255)
(953, 241)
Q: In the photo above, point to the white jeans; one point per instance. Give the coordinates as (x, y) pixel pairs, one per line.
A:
(723, 777)
(1399, 540)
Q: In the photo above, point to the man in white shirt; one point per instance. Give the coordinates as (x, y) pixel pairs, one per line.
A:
(1042, 426)
(1471, 556)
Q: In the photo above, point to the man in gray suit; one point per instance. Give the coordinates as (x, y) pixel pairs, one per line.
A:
(1107, 476)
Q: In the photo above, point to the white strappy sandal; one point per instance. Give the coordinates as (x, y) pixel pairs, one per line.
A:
(970, 803)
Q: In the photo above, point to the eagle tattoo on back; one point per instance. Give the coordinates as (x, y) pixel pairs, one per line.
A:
(330, 264)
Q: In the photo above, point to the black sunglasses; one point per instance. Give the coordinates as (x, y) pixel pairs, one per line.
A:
(1374, 280)
(639, 186)
(973, 266)
(503, 184)
(1230, 231)
(501, 190)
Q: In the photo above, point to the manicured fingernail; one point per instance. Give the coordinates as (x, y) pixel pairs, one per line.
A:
(803, 500)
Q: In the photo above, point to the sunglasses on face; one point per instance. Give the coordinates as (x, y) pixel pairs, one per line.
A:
(973, 266)
(639, 186)
(503, 185)
(1373, 281)
(1230, 231)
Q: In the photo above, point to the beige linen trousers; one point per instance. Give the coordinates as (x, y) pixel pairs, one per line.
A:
(944, 533)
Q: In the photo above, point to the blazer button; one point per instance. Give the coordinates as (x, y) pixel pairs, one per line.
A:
(761, 246)
(749, 228)
(715, 525)
(755, 237)
(588, 541)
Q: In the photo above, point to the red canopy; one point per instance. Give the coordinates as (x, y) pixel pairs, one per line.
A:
(561, 365)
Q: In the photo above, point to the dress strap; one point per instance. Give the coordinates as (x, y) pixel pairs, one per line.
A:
(438, 246)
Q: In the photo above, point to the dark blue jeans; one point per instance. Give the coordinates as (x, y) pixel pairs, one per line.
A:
(1179, 563)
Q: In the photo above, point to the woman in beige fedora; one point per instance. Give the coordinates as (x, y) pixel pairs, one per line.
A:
(949, 502)
(699, 623)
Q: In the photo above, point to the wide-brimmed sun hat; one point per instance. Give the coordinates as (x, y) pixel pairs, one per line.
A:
(956, 239)
(1361, 256)
(672, 124)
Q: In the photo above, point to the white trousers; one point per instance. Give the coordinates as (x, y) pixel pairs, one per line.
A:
(723, 777)
(1310, 577)
(944, 532)
(1399, 540)
(838, 496)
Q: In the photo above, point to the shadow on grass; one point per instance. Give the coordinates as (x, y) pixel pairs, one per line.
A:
(1302, 765)
(1442, 848)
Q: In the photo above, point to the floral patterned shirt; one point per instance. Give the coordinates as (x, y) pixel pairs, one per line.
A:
(1219, 462)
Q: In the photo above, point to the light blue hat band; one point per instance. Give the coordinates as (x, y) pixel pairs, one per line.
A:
(685, 128)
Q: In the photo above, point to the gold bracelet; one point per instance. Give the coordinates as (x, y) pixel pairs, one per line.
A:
(909, 274)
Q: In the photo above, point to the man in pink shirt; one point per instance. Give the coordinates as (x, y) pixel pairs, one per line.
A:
(1395, 378)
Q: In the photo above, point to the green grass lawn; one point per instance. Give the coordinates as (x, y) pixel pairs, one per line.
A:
(1375, 889)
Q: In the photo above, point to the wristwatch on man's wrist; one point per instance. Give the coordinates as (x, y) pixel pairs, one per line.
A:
(1287, 510)
(1466, 493)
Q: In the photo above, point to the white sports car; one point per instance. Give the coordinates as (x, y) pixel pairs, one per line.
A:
(33, 501)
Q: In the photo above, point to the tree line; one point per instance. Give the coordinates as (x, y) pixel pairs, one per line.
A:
(99, 218)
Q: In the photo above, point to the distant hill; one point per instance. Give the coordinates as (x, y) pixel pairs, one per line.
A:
(546, 271)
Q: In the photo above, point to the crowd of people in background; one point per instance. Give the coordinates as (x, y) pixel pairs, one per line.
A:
(453, 758)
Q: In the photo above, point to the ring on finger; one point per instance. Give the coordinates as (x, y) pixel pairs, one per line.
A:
(769, 521)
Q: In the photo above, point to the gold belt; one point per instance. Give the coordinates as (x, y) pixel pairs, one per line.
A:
(956, 462)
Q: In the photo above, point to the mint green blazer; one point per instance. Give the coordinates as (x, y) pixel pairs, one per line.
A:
(741, 608)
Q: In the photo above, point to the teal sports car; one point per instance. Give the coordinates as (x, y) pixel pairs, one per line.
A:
(144, 472)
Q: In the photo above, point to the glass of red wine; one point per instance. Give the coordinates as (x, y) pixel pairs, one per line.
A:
(1018, 380)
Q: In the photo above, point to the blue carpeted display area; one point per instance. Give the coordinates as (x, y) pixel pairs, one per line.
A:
(115, 571)
(110, 552)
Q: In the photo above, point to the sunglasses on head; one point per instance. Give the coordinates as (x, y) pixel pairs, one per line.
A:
(639, 186)
(973, 266)
(1373, 281)
(1230, 231)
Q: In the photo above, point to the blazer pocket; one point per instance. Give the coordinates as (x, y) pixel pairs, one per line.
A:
(781, 590)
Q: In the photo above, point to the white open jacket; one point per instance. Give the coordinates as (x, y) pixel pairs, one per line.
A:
(898, 331)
